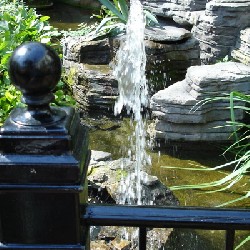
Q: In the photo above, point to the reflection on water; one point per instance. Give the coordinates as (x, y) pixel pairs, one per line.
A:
(189, 239)
(66, 17)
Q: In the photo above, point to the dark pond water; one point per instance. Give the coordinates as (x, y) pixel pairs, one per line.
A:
(111, 136)
(66, 17)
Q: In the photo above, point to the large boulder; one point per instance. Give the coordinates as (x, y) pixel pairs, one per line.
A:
(109, 177)
(180, 114)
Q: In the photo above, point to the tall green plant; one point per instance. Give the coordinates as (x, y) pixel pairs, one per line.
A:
(241, 149)
(118, 9)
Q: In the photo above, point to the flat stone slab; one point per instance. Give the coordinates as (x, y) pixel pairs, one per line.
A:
(99, 156)
(166, 33)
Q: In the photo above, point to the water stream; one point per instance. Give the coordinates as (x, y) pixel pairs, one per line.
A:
(129, 71)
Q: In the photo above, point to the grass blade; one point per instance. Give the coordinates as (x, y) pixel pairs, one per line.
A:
(243, 242)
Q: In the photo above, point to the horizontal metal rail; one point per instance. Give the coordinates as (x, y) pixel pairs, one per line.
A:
(160, 217)
(40, 247)
(167, 217)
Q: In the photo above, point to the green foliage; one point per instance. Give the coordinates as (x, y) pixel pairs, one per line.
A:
(119, 9)
(113, 18)
(112, 21)
(63, 95)
(19, 24)
(63, 89)
(243, 242)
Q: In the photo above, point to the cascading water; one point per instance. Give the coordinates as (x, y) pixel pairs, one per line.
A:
(133, 95)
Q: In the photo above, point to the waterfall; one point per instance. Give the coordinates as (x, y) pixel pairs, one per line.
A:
(131, 63)
(133, 95)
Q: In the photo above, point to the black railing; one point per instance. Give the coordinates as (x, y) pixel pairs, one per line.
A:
(168, 217)
(44, 158)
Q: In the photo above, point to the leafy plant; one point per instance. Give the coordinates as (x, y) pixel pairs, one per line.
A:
(64, 89)
(114, 16)
(119, 9)
(63, 95)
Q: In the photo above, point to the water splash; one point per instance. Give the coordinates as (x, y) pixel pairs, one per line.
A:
(131, 64)
(133, 95)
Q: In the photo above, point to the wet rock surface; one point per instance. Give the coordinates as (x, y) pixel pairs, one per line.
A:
(105, 178)
(108, 175)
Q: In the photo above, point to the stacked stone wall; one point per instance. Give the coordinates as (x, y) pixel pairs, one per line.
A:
(216, 23)
(182, 112)
(219, 26)
(182, 11)
(241, 52)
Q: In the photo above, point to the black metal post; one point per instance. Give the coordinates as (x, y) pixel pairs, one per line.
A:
(230, 235)
(142, 238)
(43, 160)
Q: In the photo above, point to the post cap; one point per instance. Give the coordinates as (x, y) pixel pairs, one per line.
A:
(35, 69)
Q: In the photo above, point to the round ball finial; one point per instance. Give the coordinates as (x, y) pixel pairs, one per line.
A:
(35, 69)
